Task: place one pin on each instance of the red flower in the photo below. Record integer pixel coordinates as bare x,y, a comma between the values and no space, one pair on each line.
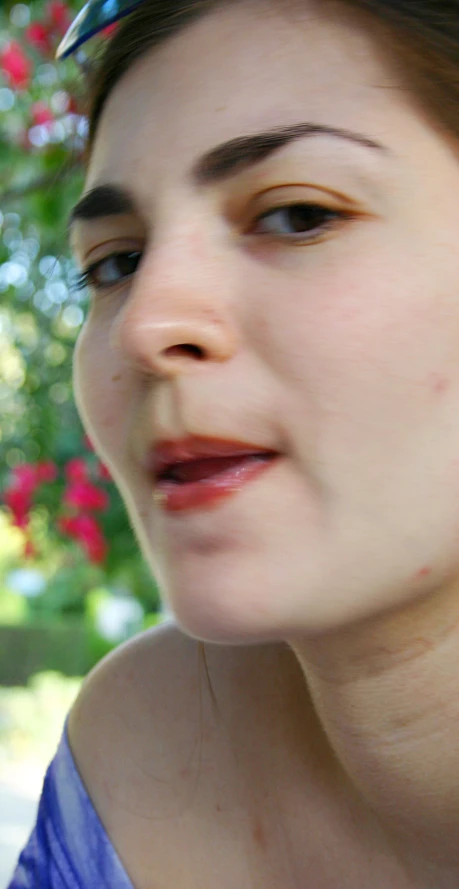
21,521
74,108
24,482
77,470
19,502
58,14
41,114
104,473
16,65
37,34
65,525
29,550
96,550
110,30
85,495
86,530
81,527
46,471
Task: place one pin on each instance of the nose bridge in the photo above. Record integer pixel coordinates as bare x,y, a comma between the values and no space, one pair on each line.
177,311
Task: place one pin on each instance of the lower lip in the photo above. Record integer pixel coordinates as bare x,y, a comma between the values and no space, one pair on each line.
208,492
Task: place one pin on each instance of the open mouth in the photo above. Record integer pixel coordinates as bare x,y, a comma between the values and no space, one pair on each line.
208,467
203,481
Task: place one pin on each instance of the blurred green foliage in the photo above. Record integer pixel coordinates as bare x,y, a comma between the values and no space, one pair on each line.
41,312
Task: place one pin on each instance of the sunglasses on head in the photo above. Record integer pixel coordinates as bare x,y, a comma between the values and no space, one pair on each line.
93,18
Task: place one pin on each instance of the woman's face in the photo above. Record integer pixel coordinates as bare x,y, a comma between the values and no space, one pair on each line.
302,298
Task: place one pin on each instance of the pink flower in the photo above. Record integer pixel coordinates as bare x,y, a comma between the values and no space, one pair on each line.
38,36
41,114
77,470
25,478
16,65
85,495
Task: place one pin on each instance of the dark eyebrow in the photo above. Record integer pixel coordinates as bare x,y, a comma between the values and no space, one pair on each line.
102,201
217,165
246,151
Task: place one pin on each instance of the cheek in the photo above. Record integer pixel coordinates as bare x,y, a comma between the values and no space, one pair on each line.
387,325
101,391
366,355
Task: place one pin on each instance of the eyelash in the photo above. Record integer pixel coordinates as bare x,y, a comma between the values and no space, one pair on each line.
331,218
88,277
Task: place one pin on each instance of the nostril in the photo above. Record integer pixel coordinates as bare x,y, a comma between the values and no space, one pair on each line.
185,350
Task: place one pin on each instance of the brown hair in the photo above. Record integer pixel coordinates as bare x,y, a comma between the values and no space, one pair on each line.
421,38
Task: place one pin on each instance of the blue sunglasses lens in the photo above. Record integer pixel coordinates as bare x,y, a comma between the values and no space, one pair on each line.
93,18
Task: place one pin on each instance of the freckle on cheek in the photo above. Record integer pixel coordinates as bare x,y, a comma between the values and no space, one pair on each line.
116,378
423,572
440,383
259,834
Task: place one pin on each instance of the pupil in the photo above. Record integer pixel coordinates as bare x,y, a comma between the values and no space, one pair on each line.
126,263
118,266
303,218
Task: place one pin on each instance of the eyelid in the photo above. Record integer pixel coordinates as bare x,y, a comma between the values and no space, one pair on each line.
287,195
112,245
304,192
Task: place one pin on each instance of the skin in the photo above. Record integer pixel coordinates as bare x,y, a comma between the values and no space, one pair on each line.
340,351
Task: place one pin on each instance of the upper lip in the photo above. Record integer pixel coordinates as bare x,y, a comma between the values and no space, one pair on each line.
166,454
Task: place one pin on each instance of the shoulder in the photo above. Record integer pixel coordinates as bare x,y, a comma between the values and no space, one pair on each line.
123,712
133,677
166,733
145,708
133,733
142,711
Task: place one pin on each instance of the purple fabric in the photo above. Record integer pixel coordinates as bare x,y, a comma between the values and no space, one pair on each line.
68,847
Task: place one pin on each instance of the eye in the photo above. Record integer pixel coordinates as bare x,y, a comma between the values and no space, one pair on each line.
110,270
298,222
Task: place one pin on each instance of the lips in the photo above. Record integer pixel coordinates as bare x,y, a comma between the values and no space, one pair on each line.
199,472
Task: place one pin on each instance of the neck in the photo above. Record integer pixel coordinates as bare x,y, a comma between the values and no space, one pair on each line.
387,694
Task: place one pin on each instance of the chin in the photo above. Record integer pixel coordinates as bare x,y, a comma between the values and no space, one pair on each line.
221,626
254,604
238,604
222,606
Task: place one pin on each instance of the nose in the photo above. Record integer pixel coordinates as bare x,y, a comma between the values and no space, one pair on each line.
177,312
